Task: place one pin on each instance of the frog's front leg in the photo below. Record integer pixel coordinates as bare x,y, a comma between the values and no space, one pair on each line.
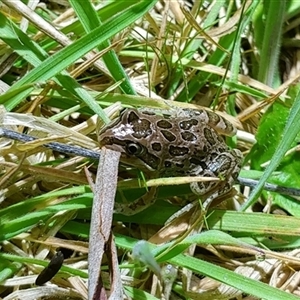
226,166
137,205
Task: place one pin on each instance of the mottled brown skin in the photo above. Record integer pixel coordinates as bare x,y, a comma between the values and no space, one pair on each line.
185,144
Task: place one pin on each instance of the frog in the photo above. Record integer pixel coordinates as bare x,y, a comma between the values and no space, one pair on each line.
184,142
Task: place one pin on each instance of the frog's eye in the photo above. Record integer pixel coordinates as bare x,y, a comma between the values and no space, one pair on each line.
134,149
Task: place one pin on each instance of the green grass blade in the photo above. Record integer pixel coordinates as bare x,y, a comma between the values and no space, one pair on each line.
289,134
240,282
268,70
247,285
62,59
36,56
90,20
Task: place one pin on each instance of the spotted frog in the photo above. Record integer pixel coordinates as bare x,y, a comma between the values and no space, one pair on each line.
184,143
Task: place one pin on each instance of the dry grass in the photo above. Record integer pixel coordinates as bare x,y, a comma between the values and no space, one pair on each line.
219,55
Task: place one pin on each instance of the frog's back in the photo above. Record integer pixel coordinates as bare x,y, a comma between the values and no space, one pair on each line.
169,145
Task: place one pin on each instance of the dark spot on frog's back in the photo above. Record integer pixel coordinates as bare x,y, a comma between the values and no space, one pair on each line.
209,136
169,136
132,117
198,162
141,128
213,117
188,136
156,146
178,151
164,124
186,125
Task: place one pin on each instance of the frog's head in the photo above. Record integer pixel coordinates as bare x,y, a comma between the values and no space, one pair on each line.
131,135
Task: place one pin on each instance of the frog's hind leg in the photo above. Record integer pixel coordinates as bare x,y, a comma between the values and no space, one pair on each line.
226,167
